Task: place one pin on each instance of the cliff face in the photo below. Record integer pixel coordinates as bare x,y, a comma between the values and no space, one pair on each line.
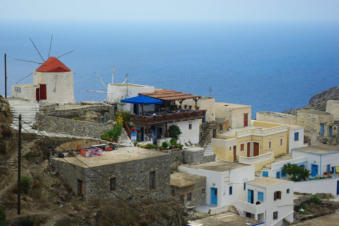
5,121
319,100
5,113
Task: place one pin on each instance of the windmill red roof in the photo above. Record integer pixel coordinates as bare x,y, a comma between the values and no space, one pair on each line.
52,64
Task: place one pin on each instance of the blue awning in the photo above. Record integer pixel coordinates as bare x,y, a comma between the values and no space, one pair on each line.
141,99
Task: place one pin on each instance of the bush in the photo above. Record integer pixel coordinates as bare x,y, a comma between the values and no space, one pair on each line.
296,172
164,145
315,199
173,142
113,134
25,184
174,131
2,217
151,146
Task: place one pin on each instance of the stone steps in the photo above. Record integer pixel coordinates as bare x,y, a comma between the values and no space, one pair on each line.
27,109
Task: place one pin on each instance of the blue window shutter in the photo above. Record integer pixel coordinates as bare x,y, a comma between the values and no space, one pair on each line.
230,190
278,174
322,129
264,173
296,136
260,196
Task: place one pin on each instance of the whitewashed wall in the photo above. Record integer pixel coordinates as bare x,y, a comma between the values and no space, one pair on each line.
188,135
27,92
296,144
118,92
60,86
317,186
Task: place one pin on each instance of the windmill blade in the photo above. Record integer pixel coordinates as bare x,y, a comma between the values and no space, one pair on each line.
101,80
28,61
23,78
126,79
50,46
97,91
65,53
36,48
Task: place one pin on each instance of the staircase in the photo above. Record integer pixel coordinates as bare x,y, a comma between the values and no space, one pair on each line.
208,150
27,109
206,133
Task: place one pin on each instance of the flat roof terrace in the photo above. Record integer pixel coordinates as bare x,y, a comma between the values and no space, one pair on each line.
125,154
219,166
319,149
267,182
181,180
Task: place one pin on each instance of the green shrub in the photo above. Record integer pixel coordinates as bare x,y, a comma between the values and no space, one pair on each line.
180,146
76,118
25,184
151,146
174,131
173,141
315,199
2,217
164,145
296,172
113,134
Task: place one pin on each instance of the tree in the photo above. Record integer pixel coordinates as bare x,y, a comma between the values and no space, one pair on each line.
297,173
174,131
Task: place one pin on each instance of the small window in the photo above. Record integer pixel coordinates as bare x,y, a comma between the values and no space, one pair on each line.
281,142
270,144
182,198
260,196
189,196
288,191
185,106
242,147
230,148
230,190
264,173
190,126
203,191
296,136
275,215
173,191
190,107
112,184
221,127
152,180
277,195
244,186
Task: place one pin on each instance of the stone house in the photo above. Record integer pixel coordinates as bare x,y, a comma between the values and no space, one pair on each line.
126,173
188,188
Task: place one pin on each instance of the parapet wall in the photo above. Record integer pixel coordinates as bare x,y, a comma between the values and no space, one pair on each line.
70,126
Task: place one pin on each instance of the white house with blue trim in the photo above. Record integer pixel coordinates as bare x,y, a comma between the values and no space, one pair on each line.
225,182
268,200
320,160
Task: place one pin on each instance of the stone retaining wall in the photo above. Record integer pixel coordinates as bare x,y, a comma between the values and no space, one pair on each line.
70,126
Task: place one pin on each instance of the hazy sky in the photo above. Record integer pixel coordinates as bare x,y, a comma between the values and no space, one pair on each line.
170,10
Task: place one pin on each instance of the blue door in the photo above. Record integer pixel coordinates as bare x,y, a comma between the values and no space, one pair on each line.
330,131
214,196
250,196
278,174
322,129
337,187
328,168
314,170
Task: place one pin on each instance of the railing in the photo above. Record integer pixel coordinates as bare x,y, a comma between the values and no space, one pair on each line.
261,131
167,117
250,207
256,159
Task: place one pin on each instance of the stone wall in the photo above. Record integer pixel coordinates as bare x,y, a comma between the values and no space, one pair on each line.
70,126
276,117
132,179
198,193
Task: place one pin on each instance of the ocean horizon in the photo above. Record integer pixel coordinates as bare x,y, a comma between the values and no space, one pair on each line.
271,66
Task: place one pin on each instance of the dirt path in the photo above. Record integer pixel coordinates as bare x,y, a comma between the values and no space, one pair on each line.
328,220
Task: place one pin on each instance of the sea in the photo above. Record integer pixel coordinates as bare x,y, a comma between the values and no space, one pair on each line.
273,66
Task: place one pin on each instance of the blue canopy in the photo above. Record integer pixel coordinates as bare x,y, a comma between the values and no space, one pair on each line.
141,99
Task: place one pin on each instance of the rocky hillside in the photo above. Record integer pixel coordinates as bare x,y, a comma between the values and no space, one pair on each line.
319,100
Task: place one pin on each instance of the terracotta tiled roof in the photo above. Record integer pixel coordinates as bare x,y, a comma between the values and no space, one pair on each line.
169,95
52,64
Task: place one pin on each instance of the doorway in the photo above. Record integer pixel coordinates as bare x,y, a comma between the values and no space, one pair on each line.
234,153
79,182
245,119
214,196
256,149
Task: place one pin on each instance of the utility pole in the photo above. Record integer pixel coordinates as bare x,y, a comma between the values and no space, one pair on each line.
5,59
19,164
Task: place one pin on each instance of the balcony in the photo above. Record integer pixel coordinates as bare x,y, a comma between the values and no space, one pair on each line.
250,207
256,159
166,117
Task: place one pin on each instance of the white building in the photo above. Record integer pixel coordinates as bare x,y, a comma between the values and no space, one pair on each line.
225,181
52,83
119,91
153,114
320,160
296,137
268,200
